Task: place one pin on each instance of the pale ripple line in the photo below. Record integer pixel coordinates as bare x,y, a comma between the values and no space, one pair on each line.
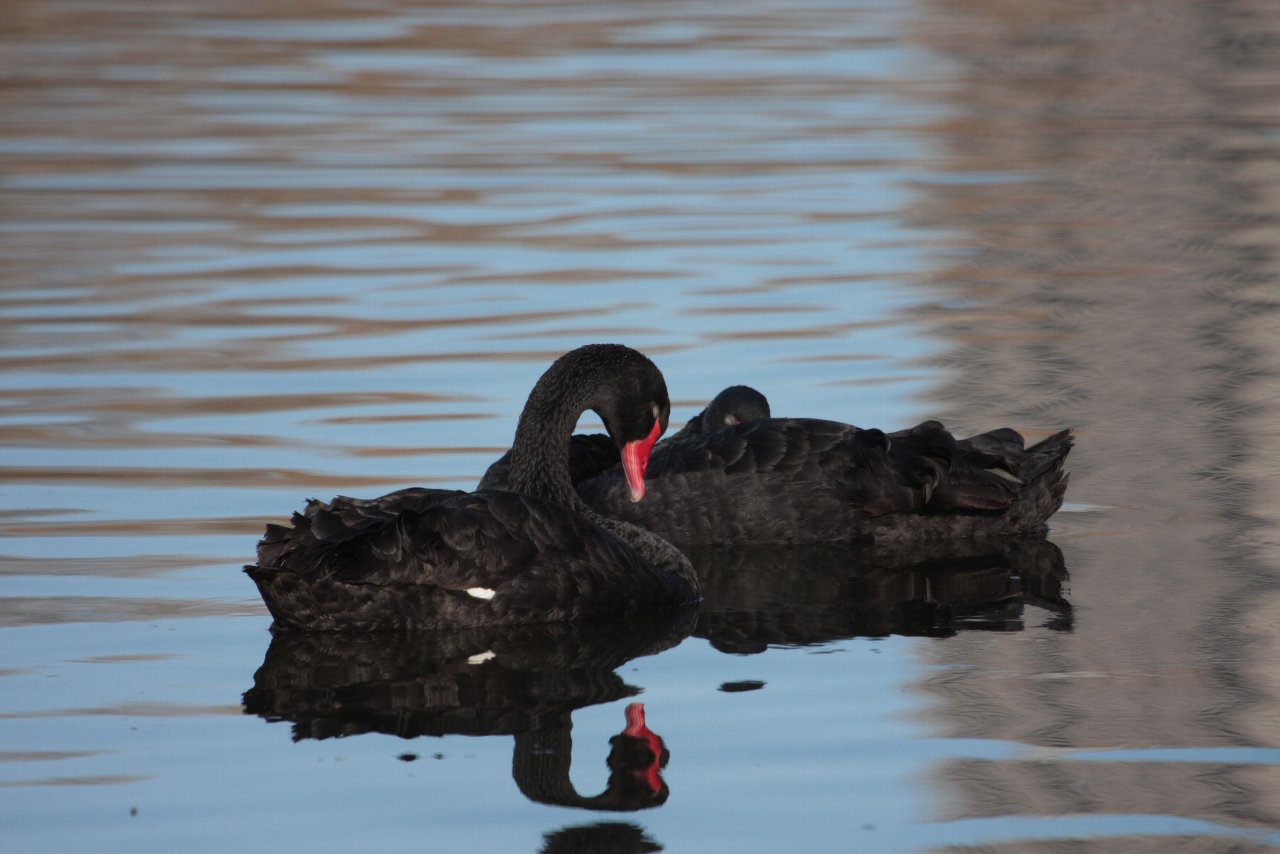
134,401
130,566
21,611
995,750
217,526
98,780
46,755
1180,755
127,658
203,477
130,710
1008,829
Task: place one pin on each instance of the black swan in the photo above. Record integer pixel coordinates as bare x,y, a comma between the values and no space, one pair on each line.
429,558
591,454
802,480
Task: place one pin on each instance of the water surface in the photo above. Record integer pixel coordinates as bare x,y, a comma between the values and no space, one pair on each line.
257,254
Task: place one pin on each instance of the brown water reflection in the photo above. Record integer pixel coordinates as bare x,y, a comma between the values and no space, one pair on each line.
1118,274
128,567
246,526
41,611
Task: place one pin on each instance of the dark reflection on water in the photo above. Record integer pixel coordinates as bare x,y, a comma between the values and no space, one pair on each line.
473,681
611,837
526,681
798,595
523,681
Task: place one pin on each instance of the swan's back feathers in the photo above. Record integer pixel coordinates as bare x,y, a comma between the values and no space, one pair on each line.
436,557
794,480
789,446
858,466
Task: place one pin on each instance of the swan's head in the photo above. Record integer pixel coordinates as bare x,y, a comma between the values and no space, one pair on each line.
635,409
734,405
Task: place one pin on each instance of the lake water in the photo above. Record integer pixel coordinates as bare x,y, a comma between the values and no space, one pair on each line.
254,253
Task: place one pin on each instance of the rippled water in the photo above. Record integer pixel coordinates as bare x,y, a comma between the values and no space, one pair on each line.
253,254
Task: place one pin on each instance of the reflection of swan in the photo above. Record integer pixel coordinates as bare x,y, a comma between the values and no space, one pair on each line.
758,596
606,837
428,558
524,681
637,755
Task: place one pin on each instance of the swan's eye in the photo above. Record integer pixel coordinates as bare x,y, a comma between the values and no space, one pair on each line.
656,410
730,420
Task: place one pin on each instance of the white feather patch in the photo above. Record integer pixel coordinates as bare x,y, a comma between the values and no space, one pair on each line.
482,657
481,592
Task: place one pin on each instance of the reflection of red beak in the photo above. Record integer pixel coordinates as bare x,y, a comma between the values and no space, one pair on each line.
635,460
635,721
636,729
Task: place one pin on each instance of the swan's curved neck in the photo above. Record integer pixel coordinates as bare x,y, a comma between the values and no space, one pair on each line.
540,449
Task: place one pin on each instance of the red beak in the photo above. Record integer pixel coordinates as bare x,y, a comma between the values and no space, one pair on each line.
635,460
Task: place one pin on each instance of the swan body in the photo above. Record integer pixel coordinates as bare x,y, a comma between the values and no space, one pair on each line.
429,558
799,480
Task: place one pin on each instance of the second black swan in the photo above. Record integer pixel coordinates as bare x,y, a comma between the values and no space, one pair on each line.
805,480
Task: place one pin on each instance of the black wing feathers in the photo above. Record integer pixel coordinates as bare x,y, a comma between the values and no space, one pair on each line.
538,557
811,480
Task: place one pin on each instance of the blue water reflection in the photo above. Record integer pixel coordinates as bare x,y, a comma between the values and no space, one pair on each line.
254,255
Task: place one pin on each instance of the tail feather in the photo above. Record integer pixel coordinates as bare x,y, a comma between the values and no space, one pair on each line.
995,472
1047,455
